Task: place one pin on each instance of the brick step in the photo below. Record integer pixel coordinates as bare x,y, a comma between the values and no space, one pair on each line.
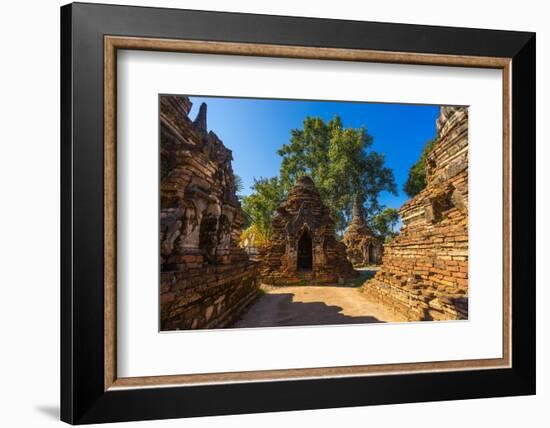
305,275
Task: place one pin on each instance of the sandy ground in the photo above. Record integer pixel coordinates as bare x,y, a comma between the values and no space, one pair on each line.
313,305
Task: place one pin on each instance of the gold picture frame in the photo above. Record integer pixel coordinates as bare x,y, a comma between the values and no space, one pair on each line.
114,43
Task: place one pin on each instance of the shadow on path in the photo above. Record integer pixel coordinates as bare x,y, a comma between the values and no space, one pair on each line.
276,310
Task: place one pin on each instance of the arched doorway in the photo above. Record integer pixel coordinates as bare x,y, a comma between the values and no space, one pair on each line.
371,260
305,251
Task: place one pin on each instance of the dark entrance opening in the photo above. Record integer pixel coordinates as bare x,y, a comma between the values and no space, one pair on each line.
371,255
305,251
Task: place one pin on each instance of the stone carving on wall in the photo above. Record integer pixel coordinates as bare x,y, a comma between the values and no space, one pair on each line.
424,274
303,246
206,279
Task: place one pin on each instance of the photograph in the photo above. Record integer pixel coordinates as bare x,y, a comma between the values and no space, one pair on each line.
294,212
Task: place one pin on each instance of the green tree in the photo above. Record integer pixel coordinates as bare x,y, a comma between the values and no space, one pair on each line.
239,185
341,163
383,223
261,204
416,181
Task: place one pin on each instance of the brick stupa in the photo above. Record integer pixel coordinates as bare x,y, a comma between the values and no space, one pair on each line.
362,247
303,246
424,274
206,279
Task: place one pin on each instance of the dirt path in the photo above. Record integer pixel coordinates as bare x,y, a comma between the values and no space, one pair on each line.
313,305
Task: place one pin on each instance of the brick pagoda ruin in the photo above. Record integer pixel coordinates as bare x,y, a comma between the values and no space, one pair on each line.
206,279
303,247
424,275
362,247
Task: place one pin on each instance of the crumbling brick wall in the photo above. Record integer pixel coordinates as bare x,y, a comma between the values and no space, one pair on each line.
424,275
206,279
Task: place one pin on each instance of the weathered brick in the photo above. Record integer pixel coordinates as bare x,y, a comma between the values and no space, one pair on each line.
206,279
314,254
436,229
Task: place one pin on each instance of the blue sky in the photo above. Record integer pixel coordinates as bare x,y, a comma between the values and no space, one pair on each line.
254,129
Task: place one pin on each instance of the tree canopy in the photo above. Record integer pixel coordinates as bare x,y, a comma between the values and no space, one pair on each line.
339,160
261,204
416,181
254,237
341,163
383,223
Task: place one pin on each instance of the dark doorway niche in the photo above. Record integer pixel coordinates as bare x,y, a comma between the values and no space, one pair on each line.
305,251
371,254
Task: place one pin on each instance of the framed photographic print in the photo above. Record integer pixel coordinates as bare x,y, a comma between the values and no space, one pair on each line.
266,213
